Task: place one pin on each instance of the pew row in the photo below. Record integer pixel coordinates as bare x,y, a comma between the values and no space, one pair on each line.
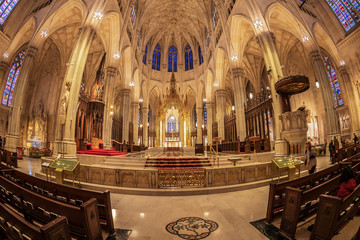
346,153
83,220
277,191
66,194
300,204
16,227
333,213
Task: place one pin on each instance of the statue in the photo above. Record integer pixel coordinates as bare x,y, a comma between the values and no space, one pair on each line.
64,103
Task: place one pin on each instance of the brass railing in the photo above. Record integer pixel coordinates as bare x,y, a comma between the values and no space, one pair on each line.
181,178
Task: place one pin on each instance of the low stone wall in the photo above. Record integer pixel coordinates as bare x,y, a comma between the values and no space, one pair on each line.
149,178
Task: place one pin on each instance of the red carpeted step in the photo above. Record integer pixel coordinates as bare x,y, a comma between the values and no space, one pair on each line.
101,152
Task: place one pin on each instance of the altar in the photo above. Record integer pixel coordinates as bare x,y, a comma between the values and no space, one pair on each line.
172,144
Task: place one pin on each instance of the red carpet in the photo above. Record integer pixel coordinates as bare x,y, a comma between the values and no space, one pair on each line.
101,152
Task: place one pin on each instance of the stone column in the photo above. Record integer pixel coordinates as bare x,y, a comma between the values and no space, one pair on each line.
327,94
199,113
181,131
239,97
125,113
12,137
3,69
109,106
163,132
145,112
220,110
135,115
349,98
210,113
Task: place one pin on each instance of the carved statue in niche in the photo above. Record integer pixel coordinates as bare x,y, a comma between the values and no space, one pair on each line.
97,89
40,126
64,103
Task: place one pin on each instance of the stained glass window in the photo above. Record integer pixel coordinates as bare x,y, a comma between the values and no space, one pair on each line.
145,55
195,116
133,16
156,58
139,114
172,59
334,81
188,58
205,114
215,14
6,6
347,11
201,57
11,80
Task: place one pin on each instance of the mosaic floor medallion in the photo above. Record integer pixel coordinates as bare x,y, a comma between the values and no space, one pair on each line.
192,227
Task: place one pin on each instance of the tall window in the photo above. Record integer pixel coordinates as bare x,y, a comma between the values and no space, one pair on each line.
6,6
188,58
201,57
347,11
139,114
11,80
215,14
171,124
195,116
334,81
156,58
133,16
172,59
145,55
205,114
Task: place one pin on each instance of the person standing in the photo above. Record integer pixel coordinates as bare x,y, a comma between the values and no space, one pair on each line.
0,142
356,139
310,158
336,143
331,149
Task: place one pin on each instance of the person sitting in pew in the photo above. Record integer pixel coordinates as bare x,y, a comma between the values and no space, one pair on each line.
347,183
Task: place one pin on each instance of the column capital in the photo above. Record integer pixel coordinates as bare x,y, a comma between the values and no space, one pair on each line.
31,52
210,105
145,110
135,104
3,66
238,72
111,71
342,70
125,92
315,56
220,93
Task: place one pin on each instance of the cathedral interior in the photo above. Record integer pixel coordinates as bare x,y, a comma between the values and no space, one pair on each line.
201,116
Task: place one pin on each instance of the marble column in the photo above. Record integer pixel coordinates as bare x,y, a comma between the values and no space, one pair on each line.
239,97
135,121
125,112
12,137
109,106
210,113
181,131
327,94
349,98
199,136
145,112
220,110
70,96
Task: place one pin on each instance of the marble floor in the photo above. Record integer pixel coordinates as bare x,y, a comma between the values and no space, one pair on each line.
148,216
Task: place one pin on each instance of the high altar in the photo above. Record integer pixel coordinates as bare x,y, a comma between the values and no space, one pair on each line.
173,120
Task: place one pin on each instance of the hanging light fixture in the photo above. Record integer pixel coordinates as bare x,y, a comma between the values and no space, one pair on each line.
305,38
116,55
234,57
317,83
98,15
6,54
44,33
216,84
257,23
141,100
132,84
342,63
204,99
233,107
251,95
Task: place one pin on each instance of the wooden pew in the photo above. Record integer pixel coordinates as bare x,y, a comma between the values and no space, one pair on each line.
300,204
66,194
333,213
18,228
345,153
83,220
9,158
277,191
